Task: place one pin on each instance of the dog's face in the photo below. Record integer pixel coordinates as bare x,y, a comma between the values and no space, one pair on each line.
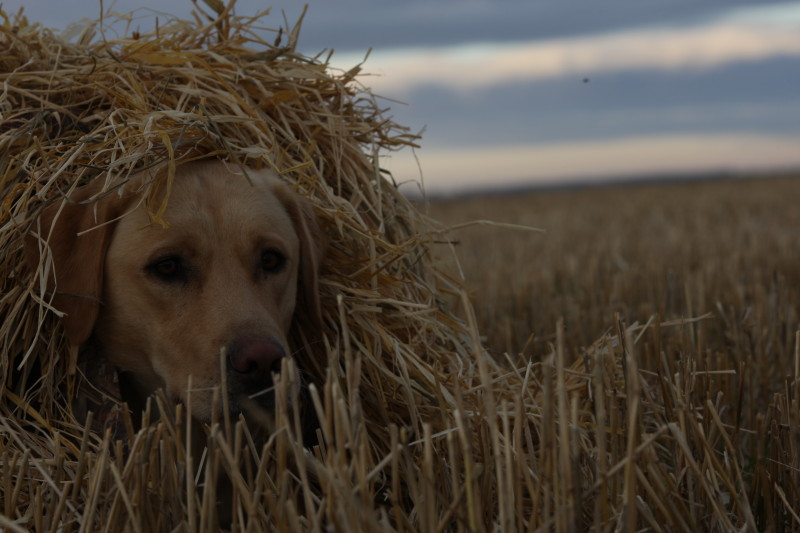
210,296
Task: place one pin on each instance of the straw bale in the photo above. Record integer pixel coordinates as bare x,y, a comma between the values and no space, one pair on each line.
97,109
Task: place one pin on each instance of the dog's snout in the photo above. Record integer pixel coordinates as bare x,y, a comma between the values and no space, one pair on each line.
254,359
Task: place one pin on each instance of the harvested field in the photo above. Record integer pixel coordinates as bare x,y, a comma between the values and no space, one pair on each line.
717,397
678,413
674,250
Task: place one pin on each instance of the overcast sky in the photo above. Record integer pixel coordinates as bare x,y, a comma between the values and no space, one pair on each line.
528,91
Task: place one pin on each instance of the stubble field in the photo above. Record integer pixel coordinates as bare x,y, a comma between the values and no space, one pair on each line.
711,269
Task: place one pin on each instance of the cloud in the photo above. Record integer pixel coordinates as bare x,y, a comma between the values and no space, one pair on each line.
746,96
463,169
471,67
355,25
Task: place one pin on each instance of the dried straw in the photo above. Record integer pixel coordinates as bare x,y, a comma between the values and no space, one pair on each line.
420,428
97,109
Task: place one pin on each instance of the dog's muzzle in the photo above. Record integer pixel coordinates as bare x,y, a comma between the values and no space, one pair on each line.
251,364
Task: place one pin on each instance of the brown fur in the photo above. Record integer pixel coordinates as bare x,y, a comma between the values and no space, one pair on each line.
113,281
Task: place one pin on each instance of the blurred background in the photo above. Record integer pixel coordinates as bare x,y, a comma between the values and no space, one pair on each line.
517,93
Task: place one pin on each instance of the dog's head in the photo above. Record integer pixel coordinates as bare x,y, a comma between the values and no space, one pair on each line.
211,295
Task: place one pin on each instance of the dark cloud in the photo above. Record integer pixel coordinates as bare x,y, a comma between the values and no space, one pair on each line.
745,97
355,25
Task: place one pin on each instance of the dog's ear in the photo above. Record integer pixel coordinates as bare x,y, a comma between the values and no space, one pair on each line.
312,248
68,247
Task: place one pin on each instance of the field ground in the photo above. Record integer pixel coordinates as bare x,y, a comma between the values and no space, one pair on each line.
676,250
725,250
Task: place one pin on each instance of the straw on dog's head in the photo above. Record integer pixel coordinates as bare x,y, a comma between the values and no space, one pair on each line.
213,292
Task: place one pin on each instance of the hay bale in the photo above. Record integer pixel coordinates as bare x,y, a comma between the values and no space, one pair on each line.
95,109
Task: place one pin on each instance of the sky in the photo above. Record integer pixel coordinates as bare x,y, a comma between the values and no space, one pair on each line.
509,93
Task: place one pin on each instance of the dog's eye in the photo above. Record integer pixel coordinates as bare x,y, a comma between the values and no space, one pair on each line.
272,261
169,269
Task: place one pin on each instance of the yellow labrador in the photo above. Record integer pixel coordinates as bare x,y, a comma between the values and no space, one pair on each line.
215,289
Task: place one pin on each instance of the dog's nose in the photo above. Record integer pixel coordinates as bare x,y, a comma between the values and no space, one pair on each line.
254,359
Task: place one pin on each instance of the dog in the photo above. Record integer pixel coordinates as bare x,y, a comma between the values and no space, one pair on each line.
208,296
